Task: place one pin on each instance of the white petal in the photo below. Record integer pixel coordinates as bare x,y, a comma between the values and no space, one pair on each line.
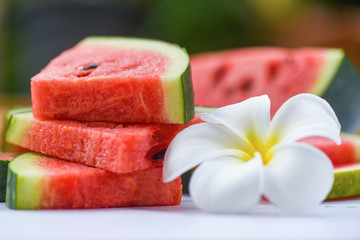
302,116
298,177
227,185
199,143
249,119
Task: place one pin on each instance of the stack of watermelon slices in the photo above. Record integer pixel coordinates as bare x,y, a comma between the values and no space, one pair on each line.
104,113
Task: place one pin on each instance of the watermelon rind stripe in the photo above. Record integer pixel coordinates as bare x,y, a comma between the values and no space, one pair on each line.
3,173
17,126
10,199
24,182
179,104
6,147
346,183
188,95
343,95
204,109
14,110
333,60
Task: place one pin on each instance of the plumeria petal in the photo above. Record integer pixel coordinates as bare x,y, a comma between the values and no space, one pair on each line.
302,116
249,119
227,185
199,143
298,177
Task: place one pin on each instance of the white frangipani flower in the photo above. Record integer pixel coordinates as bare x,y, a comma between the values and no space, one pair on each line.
242,155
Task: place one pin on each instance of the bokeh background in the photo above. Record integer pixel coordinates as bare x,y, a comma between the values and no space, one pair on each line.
32,32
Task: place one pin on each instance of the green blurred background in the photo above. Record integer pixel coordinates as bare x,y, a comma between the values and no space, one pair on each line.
32,32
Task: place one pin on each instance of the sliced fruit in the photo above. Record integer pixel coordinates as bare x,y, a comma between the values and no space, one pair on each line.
227,77
119,148
347,181
116,79
4,162
36,181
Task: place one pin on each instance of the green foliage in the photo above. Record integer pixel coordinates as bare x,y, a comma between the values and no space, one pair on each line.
205,25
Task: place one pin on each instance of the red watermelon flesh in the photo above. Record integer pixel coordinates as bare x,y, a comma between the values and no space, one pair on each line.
228,77
98,80
60,184
343,154
52,93
119,148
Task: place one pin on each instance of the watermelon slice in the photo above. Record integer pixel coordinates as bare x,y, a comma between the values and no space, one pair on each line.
347,181
116,79
228,77
36,181
119,148
4,162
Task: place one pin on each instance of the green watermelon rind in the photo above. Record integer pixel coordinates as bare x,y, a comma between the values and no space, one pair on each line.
339,77
188,95
24,187
346,182
204,109
17,126
14,110
175,101
333,60
3,173
342,90
7,147
177,84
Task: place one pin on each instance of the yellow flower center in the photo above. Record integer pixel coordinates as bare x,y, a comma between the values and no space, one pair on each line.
258,146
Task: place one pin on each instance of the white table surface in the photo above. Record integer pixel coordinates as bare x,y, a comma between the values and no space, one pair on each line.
331,220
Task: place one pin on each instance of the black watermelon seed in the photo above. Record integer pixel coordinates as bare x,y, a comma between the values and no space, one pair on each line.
91,66
159,155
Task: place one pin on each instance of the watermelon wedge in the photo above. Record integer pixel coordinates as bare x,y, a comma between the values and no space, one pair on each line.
36,181
347,181
4,162
119,148
116,79
228,77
